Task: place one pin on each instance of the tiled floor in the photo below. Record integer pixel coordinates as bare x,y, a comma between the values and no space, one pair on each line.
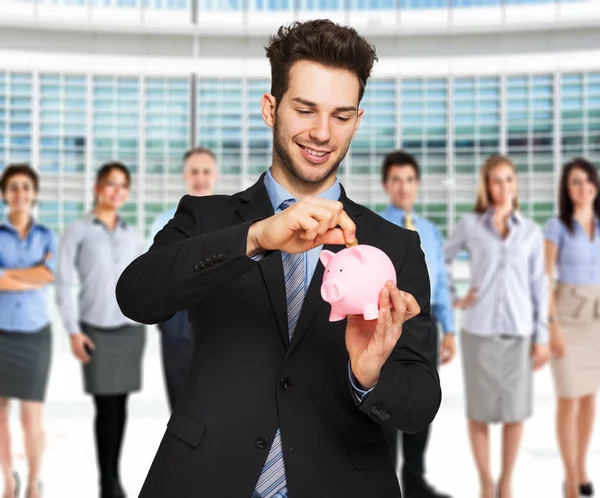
69,470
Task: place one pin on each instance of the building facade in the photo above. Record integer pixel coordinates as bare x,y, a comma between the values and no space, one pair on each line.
86,81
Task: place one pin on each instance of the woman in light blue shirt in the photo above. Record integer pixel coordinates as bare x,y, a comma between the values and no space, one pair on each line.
573,247
27,263
503,324
94,251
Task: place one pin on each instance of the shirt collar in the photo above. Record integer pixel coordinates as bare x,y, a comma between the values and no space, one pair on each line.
278,194
5,223
515,218
399,214
92,218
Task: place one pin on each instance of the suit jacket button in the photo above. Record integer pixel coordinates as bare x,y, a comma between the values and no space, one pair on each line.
286,384
261,443
222,257
198,266
379,412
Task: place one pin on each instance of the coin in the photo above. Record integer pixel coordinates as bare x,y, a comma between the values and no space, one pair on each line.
355,243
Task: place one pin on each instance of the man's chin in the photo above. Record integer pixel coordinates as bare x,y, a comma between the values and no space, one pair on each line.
315,173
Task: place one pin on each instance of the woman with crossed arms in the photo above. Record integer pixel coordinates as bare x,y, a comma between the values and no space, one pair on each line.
27,264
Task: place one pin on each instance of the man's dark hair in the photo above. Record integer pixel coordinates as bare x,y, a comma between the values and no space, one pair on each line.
565,203
108,167
19,169
323,42
199,150
399,158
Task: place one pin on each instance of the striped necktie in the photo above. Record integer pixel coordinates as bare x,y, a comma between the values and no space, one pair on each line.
272,482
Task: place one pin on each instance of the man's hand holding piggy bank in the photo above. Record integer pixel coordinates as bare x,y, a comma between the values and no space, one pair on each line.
374,325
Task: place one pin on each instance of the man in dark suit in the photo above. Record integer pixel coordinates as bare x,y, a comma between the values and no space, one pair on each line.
279,399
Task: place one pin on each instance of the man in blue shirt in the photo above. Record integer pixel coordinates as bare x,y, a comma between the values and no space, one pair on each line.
400,177
200,176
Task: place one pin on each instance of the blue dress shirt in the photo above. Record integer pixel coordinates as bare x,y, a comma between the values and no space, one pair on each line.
578,258
277,194
433,247
25,311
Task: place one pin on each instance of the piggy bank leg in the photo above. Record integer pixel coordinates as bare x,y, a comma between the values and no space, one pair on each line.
336,316
371,311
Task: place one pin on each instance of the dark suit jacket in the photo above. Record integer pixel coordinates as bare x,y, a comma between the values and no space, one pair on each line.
246,380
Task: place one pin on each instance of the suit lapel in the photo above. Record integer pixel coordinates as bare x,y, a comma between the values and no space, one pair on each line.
313,302
255,203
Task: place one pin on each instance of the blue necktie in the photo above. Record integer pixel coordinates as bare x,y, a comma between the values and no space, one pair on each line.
272,482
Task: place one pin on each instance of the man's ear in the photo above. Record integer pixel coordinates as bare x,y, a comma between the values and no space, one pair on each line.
268,105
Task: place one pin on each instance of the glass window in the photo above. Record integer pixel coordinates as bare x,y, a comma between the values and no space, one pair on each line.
476,122
116,120
221,120
376,135
423,122
260,136
16,118
63,123
530,124
167,126
580,116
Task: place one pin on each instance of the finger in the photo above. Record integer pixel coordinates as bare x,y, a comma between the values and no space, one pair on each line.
90,343
83,356
398,304
347,226
384,314
334,236
443,356
309,226
471,299
411,304
325,215
540,361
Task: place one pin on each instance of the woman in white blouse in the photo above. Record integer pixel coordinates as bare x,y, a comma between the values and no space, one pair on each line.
504,319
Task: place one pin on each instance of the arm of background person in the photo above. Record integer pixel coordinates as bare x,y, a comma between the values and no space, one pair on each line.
539,291
453,245
66,277
9,284
441,294
43,272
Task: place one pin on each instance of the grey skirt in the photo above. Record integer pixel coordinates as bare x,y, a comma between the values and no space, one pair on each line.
25,364
116,364
498,375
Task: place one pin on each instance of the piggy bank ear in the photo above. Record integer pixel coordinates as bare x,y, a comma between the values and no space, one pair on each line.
326,256
356,252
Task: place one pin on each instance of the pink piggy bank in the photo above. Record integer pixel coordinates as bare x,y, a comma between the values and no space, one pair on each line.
353,279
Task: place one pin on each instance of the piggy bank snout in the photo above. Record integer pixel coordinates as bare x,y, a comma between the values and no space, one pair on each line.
331,292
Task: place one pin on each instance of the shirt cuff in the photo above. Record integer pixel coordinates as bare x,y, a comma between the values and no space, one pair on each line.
72,328
258,257
360,394
540,337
